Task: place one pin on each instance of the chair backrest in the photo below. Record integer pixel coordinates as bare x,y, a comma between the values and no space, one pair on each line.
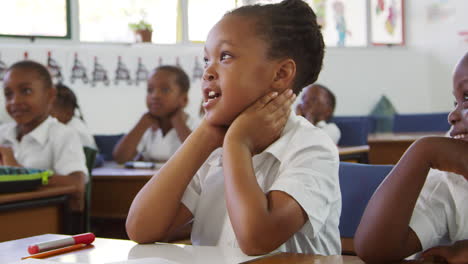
90,155
358,183
354,130
106,143
436,122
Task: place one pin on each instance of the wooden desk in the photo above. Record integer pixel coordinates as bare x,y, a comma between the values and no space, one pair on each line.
111,250
113,190
387,148
44,210
354,154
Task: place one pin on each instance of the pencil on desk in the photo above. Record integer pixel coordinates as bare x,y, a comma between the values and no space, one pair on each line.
58,251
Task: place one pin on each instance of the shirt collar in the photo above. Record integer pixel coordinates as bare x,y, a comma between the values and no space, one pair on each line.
276,148
41,132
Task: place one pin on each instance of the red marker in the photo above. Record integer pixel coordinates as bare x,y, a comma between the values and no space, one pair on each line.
86,238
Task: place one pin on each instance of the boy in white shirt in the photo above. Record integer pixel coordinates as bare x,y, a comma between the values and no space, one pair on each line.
317,105
250,175
35,139
160,132
422,204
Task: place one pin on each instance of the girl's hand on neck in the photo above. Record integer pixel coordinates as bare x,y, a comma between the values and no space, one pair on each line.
147,121
262,123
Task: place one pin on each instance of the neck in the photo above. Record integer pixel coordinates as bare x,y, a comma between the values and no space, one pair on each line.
165,124
24,129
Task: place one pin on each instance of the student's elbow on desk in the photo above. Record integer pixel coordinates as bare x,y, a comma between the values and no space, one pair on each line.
141,233
374,252
253,242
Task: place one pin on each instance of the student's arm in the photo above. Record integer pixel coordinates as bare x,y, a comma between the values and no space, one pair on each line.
76,179
7,157
126,148
179,122
456,253
261,222
157,210
384,234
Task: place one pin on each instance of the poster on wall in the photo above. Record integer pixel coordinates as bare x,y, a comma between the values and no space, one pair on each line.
343,23
387,22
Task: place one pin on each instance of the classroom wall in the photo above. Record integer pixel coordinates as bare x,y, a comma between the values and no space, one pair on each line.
416,78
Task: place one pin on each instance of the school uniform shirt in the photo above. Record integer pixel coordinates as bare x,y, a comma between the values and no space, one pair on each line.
50,146
441,213
331,130
303,163
154,146
87,140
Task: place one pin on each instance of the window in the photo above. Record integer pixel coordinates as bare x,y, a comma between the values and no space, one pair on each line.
203,15
32,18
108,20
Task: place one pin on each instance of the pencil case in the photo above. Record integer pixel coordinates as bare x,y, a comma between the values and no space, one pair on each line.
15,179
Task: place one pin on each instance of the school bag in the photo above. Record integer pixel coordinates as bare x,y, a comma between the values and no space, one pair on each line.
15,179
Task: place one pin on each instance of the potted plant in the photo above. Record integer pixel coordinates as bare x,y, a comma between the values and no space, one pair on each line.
143,30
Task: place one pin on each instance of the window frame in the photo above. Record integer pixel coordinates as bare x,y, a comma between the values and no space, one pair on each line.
68,35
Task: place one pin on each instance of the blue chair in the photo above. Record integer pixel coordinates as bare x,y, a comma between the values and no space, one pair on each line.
354,130
357,182
105,144
436,122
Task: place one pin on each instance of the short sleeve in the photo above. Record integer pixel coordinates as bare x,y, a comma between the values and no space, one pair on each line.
144,141
68,153
429,218
192,194
311,177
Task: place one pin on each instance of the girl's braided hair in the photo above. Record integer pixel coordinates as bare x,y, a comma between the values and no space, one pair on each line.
290,29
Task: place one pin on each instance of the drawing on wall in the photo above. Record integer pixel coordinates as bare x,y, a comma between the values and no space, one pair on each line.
380,7
320,11
3,68
197,73
122,73
99,74
54,69
387,22
340,20
160,61
78,71
439,11
25,55
344,23
141,73
464,35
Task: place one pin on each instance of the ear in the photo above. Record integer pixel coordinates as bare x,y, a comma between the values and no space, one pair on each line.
284,75
52,93
183,101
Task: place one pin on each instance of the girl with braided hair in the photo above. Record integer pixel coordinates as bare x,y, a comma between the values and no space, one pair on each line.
64,109
252,175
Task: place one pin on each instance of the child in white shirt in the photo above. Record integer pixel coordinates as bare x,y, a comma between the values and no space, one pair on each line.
64,109
317,105
35,139
250,175
422,204
159,132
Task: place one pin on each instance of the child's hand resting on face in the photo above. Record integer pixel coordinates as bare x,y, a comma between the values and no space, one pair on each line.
262,123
